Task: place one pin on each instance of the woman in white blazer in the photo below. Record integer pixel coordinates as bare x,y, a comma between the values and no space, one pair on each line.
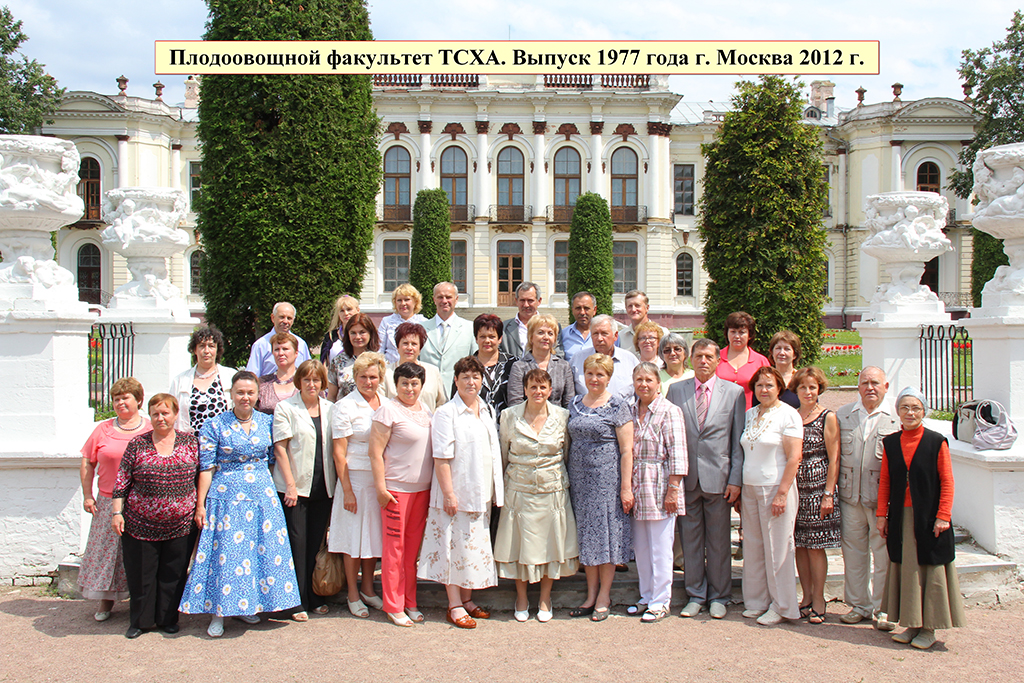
204,390
304,475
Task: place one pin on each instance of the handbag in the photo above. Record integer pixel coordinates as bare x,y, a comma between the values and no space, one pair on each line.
329,572
964,422
994,428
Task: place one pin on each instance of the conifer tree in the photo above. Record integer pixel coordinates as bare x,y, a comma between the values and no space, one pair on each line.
590,251
430,255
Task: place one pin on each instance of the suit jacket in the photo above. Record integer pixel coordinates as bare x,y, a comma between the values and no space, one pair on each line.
715,454
860,450
459,343
510,340
293,423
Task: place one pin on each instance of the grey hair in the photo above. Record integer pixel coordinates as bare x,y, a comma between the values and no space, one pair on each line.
647,368
446,283
602,320
523,286
673,339
279,304
911,392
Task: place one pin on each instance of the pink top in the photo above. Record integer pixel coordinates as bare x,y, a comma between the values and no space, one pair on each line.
743,375
104,449
408,457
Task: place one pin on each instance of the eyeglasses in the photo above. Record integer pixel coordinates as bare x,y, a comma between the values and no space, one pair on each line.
910,409
673,349
647,340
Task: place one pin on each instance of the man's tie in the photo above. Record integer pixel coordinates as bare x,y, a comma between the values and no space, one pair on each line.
702,406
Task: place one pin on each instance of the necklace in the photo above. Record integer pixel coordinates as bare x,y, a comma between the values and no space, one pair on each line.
760,423
208,375
283,381
243,421
120,426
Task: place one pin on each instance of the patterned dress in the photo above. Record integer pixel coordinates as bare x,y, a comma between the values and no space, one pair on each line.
812,531
604,531
205,404
243,563
339,373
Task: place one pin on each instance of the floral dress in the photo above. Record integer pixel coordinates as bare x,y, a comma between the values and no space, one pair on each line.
243,563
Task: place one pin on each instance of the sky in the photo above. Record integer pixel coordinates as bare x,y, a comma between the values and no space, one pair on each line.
87,44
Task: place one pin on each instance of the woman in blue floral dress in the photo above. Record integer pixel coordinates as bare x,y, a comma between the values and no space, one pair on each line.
243,564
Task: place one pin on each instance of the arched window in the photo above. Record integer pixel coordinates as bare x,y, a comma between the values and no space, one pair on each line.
624,186
510,185
567,182
397,184
90,274
195,283
454,180
89,187
928,179
684,274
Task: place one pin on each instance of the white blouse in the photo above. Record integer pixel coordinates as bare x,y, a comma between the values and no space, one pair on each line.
764,459
352,420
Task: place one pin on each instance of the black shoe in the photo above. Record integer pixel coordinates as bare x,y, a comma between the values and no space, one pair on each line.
170,629
581,612
132,633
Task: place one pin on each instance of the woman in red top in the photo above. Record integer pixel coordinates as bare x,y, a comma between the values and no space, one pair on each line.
739,361
921,591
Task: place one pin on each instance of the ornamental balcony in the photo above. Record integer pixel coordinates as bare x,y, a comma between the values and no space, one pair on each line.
629,214
515,213
462,213
559,214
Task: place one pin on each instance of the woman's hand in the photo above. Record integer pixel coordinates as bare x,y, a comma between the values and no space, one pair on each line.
940,526
778,504
117,523
827,505
350,502
291,495
627,500
384,498
883,526
451,504
90,505
200,517
672,500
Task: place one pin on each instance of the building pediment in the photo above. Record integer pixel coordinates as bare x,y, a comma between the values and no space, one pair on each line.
80,100
934,108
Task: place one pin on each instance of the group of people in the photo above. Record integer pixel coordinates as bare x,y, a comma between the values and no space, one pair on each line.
460,452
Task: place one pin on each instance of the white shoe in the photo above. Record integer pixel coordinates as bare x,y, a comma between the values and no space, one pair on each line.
770,618
752,613
216,628
883,624
718,610
692,609
250,619
399,619
544,616
415,615
373,601
521,615
101,616
358,609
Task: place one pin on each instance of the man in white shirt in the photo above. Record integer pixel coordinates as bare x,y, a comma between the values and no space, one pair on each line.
449,337
576,336
261,359
604,332
861,427
637,307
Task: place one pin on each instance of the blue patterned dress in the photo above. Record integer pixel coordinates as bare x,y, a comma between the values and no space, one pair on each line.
244,562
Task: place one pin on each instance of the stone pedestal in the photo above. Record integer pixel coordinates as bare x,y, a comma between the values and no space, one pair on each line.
894,347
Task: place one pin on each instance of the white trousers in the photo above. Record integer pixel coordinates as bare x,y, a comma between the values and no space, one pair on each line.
769,552
652,546
861,542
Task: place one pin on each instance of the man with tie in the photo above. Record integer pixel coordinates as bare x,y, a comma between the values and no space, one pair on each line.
449,337
713,410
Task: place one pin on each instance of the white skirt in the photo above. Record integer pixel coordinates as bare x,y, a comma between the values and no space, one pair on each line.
357,534
456,550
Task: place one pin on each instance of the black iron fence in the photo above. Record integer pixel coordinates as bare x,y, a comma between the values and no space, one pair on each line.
947,366
111,357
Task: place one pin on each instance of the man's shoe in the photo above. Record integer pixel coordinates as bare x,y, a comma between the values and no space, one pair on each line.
692,609
132,633
852,617
770,618
717,610
883,624
924,640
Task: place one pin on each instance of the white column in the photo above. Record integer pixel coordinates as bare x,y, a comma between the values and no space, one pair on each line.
540,176
176,166
122,161
596,149
841,217
426,175
482,176
897,165
651,179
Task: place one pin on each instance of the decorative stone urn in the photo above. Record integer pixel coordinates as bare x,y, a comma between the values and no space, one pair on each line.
999,187
143,227
38,178
906,232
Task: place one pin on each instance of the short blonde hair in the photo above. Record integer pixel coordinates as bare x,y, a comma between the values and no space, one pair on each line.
646,326
410,291
601,362
540,321
367,360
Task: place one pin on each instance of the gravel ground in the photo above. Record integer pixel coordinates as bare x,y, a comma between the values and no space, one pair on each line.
44,638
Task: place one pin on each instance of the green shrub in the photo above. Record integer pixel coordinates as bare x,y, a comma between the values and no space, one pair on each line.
430,254
590,251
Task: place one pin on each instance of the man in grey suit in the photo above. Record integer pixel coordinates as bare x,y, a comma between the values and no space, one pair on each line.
713,410
513,334
449,337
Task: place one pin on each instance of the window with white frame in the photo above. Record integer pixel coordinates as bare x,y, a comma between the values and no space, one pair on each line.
195,283
684,274
195,182
460,265
683,189
561,266
396,263
625,265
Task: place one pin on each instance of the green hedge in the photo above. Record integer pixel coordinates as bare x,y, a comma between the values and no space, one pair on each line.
430,255
590,251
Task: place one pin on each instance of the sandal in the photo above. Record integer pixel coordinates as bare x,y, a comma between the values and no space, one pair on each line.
322,609
637,609
581,611
653,615
300,616
815,617
399,619
600,614
465,621
805,610
414,614
476,611
358,609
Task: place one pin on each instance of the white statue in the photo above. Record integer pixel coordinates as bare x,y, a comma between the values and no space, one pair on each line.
999,188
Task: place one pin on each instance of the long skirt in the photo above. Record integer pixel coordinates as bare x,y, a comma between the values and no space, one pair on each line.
921,596
101,575
536,537
456,550
357,534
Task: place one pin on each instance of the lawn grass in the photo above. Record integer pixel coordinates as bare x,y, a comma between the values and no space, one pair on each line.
841,370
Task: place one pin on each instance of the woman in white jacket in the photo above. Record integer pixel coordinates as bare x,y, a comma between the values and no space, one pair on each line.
204,390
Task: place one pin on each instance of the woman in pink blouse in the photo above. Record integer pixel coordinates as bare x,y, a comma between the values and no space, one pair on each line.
402,464
154,504
101,576
739,361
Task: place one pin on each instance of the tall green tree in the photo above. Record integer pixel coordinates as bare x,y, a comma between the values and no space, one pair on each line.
590,251
760,216
290,174
430,255
28,95
996,76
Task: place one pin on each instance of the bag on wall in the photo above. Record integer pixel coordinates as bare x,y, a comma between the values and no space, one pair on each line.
964,422
994,428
